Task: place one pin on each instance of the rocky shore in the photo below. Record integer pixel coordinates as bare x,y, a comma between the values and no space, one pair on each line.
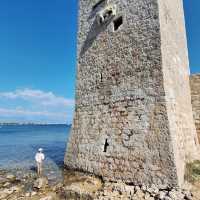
77,185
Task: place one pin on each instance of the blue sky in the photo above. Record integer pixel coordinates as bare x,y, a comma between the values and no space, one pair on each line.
38,57
192,18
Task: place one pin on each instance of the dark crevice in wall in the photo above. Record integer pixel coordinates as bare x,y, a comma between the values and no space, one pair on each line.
117,23
101,77
106,145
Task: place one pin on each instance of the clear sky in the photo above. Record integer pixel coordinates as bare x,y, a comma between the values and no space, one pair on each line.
38,57
192,17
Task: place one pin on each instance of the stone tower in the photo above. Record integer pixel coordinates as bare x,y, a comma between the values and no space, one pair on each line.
133,117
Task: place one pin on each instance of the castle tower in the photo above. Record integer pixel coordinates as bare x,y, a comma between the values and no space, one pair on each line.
133,117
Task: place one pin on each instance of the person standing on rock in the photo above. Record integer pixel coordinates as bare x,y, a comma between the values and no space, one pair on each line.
39,158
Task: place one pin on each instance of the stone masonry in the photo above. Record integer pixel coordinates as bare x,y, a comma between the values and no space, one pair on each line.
195,90
132,121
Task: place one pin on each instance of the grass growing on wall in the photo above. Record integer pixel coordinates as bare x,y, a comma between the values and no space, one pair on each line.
192,173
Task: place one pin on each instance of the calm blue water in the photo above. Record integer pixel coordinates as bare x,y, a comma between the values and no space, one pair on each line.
18,144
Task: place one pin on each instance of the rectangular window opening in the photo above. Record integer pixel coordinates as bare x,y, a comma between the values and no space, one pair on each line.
117,23
101,76
106,145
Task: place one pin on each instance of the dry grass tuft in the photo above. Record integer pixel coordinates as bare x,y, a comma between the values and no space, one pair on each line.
192,173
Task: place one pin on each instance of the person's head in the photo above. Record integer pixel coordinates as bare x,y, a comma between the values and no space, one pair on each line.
40,150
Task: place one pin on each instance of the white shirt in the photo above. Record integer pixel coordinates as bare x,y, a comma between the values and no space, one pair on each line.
39,157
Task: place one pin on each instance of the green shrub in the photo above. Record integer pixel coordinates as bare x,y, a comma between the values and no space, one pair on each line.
192,172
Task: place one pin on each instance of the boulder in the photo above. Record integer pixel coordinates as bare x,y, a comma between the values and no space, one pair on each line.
11,177
41,183
7,184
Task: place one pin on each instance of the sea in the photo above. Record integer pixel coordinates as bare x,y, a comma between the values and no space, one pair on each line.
19,143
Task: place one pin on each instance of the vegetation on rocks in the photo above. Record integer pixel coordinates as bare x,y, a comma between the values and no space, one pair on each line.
193,172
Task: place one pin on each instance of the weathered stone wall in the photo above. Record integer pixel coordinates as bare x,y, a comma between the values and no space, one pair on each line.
176,81
195,91
123,126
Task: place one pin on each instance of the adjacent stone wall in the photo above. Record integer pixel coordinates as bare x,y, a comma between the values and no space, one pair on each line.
125,112
195,91
176,82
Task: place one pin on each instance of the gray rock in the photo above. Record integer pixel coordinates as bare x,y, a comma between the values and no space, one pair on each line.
140,194
162,195
147,196
144,188
40,183
11,177
188,195
137,188
6,184
153,190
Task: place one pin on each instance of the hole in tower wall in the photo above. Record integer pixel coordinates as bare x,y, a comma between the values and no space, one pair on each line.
117,23
107,15
106,144
110,12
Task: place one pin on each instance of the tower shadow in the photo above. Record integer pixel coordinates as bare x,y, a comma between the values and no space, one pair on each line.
93,33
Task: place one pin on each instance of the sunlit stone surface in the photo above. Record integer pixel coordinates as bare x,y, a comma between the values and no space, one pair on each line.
133,118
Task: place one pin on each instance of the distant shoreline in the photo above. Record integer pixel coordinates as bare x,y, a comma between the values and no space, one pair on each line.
35,124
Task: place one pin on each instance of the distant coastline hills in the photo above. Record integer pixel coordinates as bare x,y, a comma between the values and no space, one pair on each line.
32,123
